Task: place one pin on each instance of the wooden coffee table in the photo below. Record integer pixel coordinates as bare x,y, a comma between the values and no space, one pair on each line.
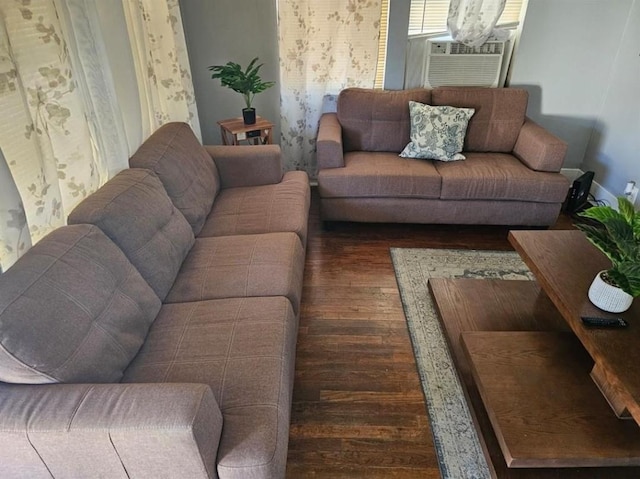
526,364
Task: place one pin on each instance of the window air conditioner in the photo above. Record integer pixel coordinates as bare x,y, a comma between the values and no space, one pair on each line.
434,62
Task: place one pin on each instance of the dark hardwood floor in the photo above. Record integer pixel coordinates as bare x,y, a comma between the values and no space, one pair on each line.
358,407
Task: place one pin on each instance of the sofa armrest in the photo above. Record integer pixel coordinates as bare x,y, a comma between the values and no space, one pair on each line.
108,430
247,165
329,153
539,149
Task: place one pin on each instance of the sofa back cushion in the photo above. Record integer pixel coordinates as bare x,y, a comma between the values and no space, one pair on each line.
72,309
185,169
498,118
133,209
377,120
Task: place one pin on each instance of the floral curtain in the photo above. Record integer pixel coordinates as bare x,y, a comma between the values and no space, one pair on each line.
324,47
92,71
45,137
14,233
472,22
162,64
61,131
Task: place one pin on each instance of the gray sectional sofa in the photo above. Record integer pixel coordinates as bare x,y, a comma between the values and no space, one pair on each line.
155,335
511,175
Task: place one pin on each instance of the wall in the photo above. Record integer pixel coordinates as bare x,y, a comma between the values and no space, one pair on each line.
565,59
396,44
614,150
218,31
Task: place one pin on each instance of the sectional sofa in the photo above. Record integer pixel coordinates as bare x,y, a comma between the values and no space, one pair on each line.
511,175
155,335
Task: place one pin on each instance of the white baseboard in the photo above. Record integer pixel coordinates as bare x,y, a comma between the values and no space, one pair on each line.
598,191
572,173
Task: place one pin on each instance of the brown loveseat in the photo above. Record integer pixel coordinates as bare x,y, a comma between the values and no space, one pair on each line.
510,175
155,335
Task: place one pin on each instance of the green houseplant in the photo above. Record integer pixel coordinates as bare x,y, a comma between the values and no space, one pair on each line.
246,81
617,235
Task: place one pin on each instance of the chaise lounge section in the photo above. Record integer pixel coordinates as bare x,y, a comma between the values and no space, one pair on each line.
155,335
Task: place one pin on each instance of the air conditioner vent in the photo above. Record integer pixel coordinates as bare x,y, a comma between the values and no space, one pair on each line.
491,48
434,62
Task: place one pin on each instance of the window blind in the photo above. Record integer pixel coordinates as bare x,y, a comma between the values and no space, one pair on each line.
382,44
430,16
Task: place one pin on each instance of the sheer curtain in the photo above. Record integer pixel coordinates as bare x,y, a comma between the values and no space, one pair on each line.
472,22
324,47
44,133
161,63
14,233
62,130
93,74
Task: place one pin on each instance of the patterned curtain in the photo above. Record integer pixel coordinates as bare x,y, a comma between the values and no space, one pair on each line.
472,22
44,136
162,64
92,70
61,131
324,47
14,233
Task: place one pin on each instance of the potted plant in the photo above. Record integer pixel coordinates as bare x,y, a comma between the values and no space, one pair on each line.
247,82
617,235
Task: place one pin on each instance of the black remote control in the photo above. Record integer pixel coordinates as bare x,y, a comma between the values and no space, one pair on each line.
604,322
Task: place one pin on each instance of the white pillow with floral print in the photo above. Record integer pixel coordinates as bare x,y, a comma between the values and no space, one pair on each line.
437,132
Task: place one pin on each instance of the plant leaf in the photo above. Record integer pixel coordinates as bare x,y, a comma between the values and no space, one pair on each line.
626,209
630,271
621,234
600,213
599,237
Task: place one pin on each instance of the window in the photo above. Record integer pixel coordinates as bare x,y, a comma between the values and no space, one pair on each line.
382,44
430,16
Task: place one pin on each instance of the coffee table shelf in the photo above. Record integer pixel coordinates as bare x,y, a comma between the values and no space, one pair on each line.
498,312
565,263
545,409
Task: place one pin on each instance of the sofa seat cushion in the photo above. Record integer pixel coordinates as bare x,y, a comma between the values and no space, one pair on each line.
270,264
499,115
133,209
377,120
244,349
72,309
274,208
380,175
185,169
499,176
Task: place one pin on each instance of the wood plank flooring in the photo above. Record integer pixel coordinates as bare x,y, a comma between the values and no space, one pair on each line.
358,407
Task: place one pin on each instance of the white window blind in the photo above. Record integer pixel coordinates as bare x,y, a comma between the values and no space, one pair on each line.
382,44
430,16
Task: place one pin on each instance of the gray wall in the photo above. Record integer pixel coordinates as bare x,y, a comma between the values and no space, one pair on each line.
565,58
614,150
218,31
396,44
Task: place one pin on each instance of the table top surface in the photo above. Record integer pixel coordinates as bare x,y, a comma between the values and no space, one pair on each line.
237,125
565,263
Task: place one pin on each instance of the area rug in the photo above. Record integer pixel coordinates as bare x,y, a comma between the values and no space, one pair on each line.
457,445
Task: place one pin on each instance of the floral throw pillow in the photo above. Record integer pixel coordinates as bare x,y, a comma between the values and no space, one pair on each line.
437,132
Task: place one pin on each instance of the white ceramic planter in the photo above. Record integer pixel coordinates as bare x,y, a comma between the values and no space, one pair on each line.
608,298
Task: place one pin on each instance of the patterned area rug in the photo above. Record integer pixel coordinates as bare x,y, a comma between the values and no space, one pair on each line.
457,444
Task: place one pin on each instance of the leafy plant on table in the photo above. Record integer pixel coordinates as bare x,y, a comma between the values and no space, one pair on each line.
617,235
246,81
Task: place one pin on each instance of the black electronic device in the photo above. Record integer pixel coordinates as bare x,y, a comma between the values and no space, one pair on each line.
604,322
254,133
578,196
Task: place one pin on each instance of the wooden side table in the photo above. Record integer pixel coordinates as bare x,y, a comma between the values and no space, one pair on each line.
234,131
